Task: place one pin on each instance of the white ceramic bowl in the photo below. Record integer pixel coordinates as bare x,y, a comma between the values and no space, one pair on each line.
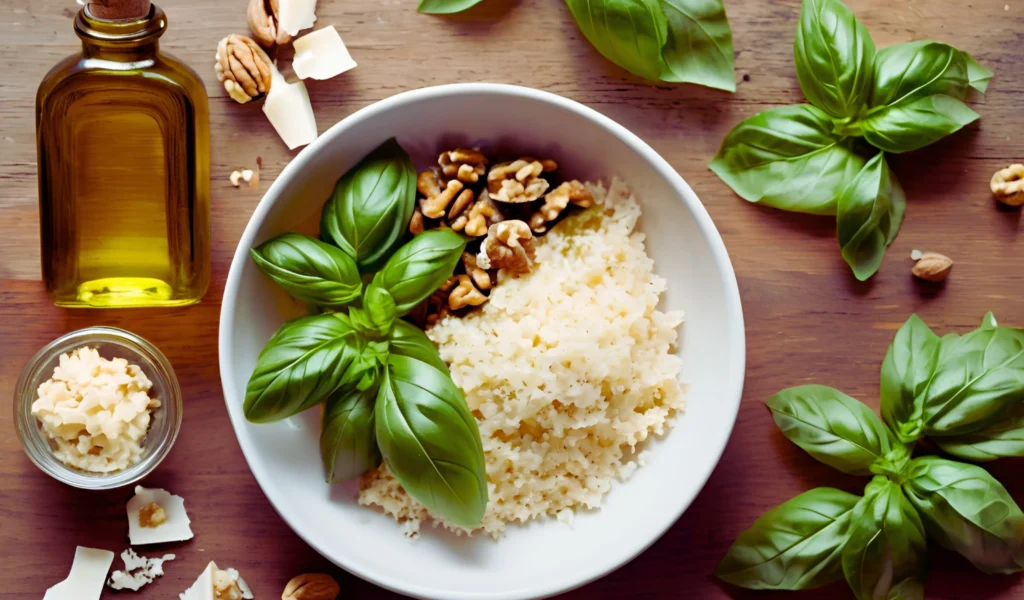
547,557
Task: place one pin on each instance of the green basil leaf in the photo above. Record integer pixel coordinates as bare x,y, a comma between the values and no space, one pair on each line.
377,314
430,441
989,321
368,214
630,33
966,510
978,75
977,378
1004,438
795,546
906,371
787,158
303,363
699,46
906,127
420,267
908,72
409,340
445,7
348,443
832,427
869,214
834,58
886,555
309,270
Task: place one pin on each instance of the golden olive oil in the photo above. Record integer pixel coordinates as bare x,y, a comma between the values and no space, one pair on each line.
123,138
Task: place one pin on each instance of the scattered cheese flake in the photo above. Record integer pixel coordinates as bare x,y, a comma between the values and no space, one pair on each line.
567,516
247,175
242,585
226,579
288,108
174,529
295,15
146,570
235,178
321,55
916,254
85,581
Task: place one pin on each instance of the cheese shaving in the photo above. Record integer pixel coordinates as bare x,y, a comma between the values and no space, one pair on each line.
145,571
290,112
85,581
205,587
295,15
174,529
321,55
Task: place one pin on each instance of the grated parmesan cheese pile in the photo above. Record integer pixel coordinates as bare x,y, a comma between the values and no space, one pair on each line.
566,369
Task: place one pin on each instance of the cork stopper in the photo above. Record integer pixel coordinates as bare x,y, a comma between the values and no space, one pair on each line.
116,10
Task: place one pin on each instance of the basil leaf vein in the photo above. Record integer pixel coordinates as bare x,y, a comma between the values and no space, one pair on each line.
833,54
309,270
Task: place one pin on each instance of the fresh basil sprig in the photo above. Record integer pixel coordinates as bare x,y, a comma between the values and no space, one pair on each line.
806,158
878,542
389,396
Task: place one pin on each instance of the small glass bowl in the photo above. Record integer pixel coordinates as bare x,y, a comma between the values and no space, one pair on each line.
111,343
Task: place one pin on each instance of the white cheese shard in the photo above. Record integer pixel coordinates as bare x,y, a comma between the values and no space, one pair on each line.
138,571
290,112
85,581
295,15
174,529
215,584
321,55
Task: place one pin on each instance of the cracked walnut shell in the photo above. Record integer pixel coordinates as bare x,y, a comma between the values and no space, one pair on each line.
1008,185
508,246
311,586
243,67
520,180
263,22
556,200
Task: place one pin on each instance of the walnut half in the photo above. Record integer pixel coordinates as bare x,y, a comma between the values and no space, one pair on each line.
556,201
243,67
481,214
436,199
465,164
508,246
1008,185
465,294
520,180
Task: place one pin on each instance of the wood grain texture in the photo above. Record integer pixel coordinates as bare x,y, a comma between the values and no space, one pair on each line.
807,319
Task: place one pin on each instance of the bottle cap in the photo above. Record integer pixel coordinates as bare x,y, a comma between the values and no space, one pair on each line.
115,10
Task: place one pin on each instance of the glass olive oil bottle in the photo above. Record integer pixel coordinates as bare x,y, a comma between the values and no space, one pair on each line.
124,186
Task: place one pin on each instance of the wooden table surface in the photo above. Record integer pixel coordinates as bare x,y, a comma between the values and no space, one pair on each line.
807,319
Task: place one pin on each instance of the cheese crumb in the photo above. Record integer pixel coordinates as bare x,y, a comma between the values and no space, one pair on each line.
145,571
217,584
95,411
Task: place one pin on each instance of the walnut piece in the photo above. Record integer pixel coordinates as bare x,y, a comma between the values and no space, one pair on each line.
481,215
243,67
466,164
416,222
508,246
263,19
436,199
480,277
1008,185
465,294
311,586
519,181
932,266
152,515
555,202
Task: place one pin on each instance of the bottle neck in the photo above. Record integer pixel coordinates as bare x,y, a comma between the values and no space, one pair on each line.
125,40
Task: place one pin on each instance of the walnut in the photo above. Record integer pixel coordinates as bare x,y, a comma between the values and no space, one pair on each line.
508,246
436,199
932,266
311,586
481,215
263,22
465,294
467,165
416,222
152,515
1008,185
519,181
436,306
556,201
243,67
479,276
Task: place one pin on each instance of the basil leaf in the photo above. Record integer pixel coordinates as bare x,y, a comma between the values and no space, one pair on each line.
966,510
977,378
832,427
309,270
348,444
699,46
368,214
1002,439
906,371
833,53
787,158
303,363
886,555
445,7
978,75
377,314
630,33
906,127
420,267
795,546
409,340
431,442
908,72
869,214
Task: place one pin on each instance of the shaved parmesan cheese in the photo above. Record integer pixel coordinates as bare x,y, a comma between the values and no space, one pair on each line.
288,108
214,584
145,571
174,529
85,581
321,55
295,15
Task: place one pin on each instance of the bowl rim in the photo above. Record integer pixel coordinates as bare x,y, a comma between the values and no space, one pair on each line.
735,333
